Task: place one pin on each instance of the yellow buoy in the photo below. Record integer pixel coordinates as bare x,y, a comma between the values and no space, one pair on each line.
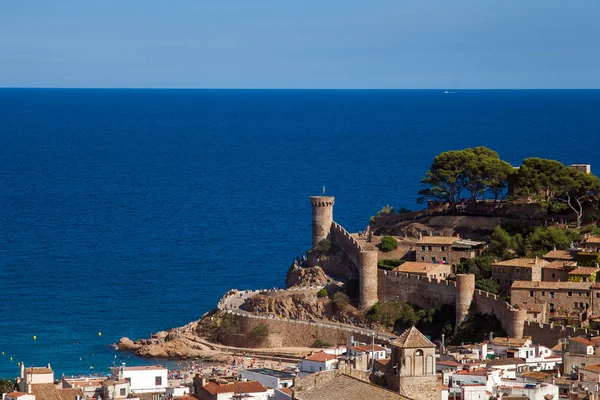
99,333
2,353
11,359
34,338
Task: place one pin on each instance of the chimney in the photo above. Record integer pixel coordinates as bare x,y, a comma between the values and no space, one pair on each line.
49,366
536,260
22,370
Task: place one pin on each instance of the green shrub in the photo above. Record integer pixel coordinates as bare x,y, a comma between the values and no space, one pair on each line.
324,245
320,344
322,293
388,243
389,265
341,301
260,331
487,285
587,259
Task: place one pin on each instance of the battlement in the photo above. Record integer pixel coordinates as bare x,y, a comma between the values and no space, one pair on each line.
322,201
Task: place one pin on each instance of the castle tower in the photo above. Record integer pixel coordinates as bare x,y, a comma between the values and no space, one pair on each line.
367,278
412,366
322,217
516,323
465,288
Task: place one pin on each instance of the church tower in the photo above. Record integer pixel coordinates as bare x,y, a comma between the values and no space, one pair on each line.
412,370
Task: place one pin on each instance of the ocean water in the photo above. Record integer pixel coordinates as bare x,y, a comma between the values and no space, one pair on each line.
127,212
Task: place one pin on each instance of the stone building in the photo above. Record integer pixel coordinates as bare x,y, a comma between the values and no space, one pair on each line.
411,369
562,298
557,271
592,244
435,271
561,255
582,274
449,250
517,269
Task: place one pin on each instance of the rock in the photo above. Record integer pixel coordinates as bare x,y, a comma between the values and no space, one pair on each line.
305,277
128,344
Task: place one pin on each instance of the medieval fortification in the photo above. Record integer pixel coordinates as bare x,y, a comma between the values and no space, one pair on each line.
375,285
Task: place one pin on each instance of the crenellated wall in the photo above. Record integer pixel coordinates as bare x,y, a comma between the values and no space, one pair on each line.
549,334
341,239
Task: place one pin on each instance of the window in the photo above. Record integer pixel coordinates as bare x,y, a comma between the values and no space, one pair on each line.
444,259
531,293
598,295
518,271
122,392
553,275
569,294
433,259
575,305
443,248
429,248
581,305
419,353
423,248
158,381
552,307
551,295
422,258
587,294
543,293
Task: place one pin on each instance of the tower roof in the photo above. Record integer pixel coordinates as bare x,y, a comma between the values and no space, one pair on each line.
412,338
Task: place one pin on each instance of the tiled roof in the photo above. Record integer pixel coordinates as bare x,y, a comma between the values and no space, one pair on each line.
584,341
533,307
414,267
474,372
45,391
537,375
583,271
496,362
366,348
560,255
234,387
510,341
347,388
69,394
412,338
551,285
383,361
441,240
591,368
321,356
521,262
593,239
16,394
560,265
449,363
38,370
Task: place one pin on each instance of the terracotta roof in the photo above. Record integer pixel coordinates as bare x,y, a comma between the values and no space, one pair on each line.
521,262
591,368
440,240
343,387
537,375
561,255
69,393
16,394
584,271
593,239
383,361
475,372
413,267
560,265
286,391
321,356
449,363
412,338
551,285
496,362
145,368
38,370
366,348
584,341
234,387
510,341
45,391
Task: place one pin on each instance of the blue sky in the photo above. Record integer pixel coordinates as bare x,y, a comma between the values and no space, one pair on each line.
300,44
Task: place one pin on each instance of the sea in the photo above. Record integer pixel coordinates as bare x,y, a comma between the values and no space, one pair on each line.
126,212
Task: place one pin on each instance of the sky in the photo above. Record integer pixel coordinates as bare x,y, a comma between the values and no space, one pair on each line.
396,44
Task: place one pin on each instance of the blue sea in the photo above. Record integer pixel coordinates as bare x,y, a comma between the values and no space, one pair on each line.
127,212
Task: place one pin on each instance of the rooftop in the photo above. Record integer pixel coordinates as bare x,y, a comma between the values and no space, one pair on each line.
366,348
414,267
567,255
412,338
521,262
236,387
271,372
583,271
16,394
496,362
584,341
532,307
440,240
321,356
510,341
146,368
593,239
39,370
345,387
551,285
537,375
466,244
591,368
559,264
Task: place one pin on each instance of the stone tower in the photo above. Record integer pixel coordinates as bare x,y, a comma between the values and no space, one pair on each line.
322,217
412,366
516,323
465,288
367,278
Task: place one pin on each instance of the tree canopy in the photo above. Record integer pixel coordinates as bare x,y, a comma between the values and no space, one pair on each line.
475,171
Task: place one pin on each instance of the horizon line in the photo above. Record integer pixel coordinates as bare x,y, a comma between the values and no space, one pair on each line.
266,88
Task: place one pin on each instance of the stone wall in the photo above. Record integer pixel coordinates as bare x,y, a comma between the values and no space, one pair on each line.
291,333
549,334
341,239
322,217
421,291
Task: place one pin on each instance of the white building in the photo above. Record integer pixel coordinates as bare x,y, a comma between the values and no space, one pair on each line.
520,388
18,396
251,390
267,377
145,379
377,352
177,391
320,361
34,375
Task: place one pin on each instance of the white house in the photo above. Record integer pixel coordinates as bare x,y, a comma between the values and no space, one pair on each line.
379,353
267,377
34,375
18,396
115,389
217,391
145,379
176,391
316,362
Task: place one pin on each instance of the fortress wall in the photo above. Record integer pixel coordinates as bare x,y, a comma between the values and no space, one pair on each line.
341,239
421,291
292,333
549,334
512,320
